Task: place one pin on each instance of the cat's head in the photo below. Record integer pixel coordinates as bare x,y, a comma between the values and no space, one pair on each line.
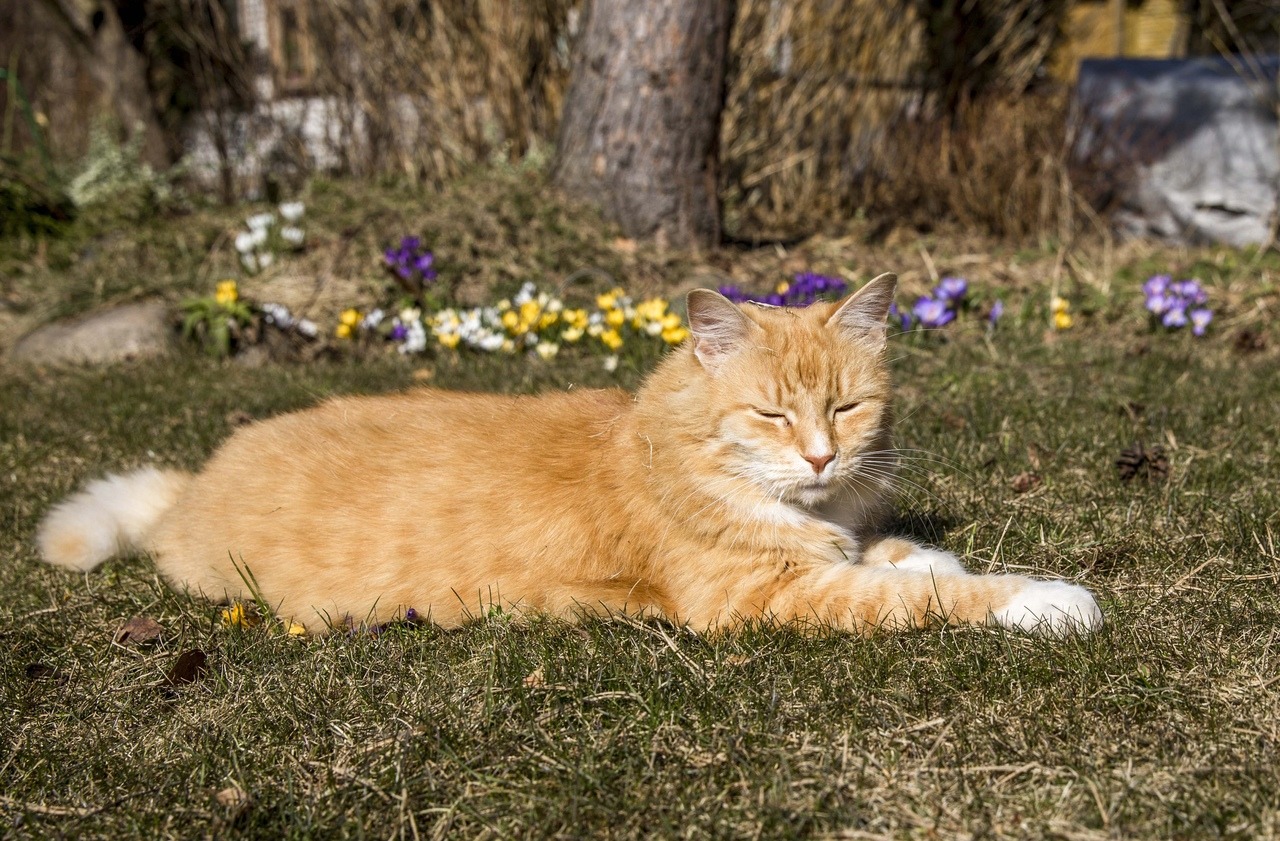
798,399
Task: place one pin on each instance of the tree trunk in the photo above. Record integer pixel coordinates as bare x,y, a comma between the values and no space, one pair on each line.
641,124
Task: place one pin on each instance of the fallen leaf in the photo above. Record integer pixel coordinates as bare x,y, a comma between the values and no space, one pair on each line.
139,630
43,671
534,679
232,797
296,629
1025,481
189,667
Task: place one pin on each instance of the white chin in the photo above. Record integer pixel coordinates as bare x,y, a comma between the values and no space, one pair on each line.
812,495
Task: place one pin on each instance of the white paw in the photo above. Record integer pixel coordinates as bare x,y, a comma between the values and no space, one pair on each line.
931,560
1055,608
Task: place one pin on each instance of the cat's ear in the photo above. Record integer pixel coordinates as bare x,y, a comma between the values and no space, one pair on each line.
719,328
864,316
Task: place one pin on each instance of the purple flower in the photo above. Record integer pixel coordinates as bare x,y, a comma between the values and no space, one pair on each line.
1200,319
1156,285
997,310
805,288
733,293
933,312
411,261
952,289
1174,317
399,332
904,318
411,615
1190,291
1158,302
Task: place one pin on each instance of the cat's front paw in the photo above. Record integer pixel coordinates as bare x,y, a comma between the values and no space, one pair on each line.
1055,608
932,561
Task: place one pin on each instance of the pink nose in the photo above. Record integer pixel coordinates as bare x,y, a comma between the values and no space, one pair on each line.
820,462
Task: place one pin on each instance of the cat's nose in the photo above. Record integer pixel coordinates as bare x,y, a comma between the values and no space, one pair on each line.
820,461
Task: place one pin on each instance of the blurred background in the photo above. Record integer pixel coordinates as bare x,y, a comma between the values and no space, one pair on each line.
904,112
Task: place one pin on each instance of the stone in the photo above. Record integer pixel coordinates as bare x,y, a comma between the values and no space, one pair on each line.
133,331
1192,143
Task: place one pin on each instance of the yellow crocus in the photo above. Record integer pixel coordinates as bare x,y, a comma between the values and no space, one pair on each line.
343,331
609,300
783,288
572,334
350,317
227,293
548,318
529,311
611,339
510,320
675,335
449,340
1057,305
615,317
1062,320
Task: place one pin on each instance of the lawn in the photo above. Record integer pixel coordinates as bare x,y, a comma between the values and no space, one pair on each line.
1165,724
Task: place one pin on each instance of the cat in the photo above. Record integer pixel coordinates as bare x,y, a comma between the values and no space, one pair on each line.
746,480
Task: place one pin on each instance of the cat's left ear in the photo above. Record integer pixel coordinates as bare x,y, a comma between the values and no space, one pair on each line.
864,316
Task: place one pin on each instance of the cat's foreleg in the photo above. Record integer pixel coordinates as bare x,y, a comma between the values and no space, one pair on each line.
863,597
897,553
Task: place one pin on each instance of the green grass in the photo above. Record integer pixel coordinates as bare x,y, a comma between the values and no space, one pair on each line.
1164,725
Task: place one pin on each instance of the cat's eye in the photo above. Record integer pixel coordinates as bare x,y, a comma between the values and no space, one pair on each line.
848,407
773,416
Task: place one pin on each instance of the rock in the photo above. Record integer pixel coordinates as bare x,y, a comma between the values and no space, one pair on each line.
134,331
1192,143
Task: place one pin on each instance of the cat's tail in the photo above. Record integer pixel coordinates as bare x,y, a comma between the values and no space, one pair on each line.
110,516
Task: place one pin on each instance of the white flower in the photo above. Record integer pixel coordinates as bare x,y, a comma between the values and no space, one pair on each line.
596,318
554,305
265,259
530,338
410,315
491,342
372,320
244,242
292,235
653,328
249,262
547,350
611,362
526,293
278,314
260,221
292,210
258,236
416,339
308,328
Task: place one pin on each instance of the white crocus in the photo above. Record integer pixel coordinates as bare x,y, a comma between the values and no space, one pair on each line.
249,262
244,242
265,259
260,221
611,362
547,350
308,328
292,235
292,210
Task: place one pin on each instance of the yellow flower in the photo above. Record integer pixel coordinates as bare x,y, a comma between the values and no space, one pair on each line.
572,334
1062,320
652,309
609,300
449,340
611,339
237,617
510,320
343,331
508,346
547,350
783,288
350,317
675,335
529,311
227,293
1059,305
670,321
504,305
548,318
295,629
615,317
575,318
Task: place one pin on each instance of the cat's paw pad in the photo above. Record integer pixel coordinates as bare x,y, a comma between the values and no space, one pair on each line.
1055,608
932,561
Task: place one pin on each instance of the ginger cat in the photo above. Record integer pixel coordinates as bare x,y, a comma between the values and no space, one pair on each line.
744,481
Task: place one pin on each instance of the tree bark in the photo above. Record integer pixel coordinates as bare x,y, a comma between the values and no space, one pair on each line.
641,123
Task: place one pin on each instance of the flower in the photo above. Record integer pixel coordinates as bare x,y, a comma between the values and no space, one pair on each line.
1200,318
933,312
308,328
227,293
904,318
260,222
1060,309
244,242
547,350
952,289
612,339
295,629
292,210
997,310
350,317
1174,317
410,261
675,335
237,617
292,235
611,362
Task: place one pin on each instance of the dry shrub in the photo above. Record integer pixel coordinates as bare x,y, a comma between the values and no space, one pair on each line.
1001,165
425,89
826,102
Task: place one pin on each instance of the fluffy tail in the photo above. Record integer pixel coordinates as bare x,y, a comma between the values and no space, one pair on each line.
110,516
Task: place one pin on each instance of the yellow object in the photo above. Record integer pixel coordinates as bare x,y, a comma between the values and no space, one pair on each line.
611,339
350,317
615,317
449,340
572,334
675,335
343,331
1057,305
548,318
227,293
510,320
237,617
1062,320
609,300
296,629
783,288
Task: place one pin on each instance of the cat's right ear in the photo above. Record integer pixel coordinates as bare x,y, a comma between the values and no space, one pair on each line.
719,328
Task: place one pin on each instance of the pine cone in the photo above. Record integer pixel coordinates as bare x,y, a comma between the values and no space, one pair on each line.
1138,461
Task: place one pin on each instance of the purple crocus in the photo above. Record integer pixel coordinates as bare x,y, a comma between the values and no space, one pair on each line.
735,294
904,318
1156,285
804,289
411,261
952,289
1174,317
1200,319
997,310
399,332
933,312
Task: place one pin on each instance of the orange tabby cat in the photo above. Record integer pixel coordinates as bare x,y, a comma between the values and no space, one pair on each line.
745,480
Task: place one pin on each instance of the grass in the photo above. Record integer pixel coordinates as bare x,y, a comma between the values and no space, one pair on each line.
1164,725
